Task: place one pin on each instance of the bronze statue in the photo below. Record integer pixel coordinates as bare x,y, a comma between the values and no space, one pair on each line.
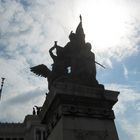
77,56
59,67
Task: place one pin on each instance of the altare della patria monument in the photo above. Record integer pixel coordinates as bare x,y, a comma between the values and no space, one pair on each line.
77,106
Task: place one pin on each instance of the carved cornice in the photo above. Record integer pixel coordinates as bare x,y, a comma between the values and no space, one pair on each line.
65,91
90,112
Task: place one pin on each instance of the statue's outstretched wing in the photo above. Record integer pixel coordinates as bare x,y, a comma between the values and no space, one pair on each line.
41,70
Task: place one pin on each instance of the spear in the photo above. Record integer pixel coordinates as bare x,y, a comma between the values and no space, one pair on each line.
2,82
100,64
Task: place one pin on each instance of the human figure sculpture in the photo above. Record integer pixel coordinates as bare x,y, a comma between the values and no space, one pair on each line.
90,61
80,34
83,66
34,112
76,55
90,66
59,67
38,109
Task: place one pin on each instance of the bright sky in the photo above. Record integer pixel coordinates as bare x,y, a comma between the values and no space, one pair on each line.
28,28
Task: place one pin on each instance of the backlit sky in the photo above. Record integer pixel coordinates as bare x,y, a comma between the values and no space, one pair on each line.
28,28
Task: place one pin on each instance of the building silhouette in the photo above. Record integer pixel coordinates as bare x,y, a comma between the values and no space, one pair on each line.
30,129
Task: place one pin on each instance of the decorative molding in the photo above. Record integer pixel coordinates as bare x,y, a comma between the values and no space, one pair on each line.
92,112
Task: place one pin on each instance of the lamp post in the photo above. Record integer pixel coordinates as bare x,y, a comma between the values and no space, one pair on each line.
2,83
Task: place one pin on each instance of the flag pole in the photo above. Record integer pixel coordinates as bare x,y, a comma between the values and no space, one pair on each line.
2,83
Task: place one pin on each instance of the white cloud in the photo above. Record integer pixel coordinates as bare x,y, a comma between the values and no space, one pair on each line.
21,103
112,27
125,72
127,94
127,110
27,31
131,129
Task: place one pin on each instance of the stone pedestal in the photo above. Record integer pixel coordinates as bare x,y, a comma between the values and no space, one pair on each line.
73,112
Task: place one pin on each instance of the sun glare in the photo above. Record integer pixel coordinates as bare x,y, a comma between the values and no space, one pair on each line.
104,23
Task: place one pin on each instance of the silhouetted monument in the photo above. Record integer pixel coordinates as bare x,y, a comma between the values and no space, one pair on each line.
77,107
76,56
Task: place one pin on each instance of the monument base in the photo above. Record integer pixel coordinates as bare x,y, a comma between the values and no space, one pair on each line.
74,112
